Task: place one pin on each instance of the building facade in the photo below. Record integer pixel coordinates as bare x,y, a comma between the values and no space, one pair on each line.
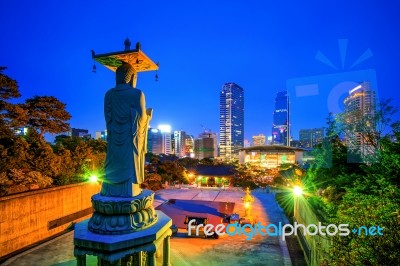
154,141
271,156
281,120
77,132
259,140
206,146
189,145
214,175
21,131
180,143
166,138
308,138
101,135
360,111
231,124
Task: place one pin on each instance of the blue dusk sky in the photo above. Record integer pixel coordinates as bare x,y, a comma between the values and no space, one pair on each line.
322,47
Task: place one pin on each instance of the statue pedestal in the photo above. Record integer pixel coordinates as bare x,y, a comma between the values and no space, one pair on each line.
123,231
126,248
116,216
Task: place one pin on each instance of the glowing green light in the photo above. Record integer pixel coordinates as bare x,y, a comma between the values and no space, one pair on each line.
297,191
93,178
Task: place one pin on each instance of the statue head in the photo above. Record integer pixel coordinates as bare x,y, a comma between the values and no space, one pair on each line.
124,74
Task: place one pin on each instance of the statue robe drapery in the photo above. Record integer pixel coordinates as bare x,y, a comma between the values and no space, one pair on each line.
127,125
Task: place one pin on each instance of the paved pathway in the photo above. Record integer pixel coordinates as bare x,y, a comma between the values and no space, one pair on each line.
228,250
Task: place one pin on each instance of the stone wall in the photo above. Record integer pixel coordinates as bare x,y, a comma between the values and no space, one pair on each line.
33,216
315,247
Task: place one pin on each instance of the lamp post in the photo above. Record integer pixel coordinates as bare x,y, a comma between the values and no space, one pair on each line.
247,202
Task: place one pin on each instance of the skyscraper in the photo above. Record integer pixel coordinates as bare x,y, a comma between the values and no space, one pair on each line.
180,143
231,120
154,141
281,120
360,110
166,138
189,145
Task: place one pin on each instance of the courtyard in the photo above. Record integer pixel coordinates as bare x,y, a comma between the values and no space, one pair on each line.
227,250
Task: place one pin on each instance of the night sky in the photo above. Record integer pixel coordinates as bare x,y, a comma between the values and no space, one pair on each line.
263,46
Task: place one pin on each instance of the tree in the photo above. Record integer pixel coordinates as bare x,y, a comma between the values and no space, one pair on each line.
362,194
8,90
46,114
358,248
11,115
42,157
152,181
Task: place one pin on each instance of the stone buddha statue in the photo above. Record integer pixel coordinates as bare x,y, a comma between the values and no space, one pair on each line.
127,122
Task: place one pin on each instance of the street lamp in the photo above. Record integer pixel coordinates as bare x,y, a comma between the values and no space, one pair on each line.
297,191
247,202
190,175
93,178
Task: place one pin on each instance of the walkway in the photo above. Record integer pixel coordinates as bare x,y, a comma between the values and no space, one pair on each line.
228,250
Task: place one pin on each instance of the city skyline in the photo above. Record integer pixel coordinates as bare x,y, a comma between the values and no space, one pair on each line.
264,47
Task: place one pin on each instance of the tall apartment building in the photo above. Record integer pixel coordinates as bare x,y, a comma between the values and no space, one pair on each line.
180,143
231,119
189,145
281,120
159,140
166,138
154,141
360,110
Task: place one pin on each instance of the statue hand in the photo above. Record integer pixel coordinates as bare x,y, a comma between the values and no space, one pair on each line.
149,112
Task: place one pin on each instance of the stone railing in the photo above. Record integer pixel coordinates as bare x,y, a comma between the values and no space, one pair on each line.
315,247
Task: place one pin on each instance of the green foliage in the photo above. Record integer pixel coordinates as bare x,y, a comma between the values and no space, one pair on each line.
169,167
41,155
8,90
189,163
367,210
28,162
80,158
17,180
152,181
208,161
10,114
362,194
330,170
46,114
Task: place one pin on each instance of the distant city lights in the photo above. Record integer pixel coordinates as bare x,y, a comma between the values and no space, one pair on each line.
164,128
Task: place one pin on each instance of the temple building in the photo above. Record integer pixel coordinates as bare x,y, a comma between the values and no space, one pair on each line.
214,175
270,156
